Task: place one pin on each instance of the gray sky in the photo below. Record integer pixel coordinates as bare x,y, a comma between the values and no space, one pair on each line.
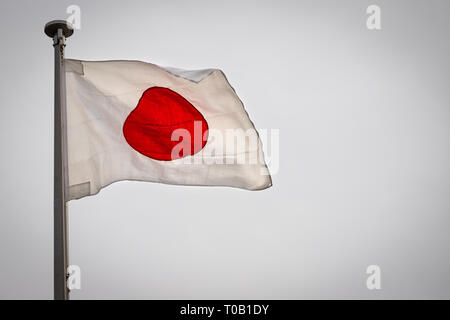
364,151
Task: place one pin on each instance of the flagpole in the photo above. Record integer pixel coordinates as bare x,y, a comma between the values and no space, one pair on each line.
59,30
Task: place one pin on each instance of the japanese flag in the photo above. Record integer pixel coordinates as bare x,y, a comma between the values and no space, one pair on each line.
131,120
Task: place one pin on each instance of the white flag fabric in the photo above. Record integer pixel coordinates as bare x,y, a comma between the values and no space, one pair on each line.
121,119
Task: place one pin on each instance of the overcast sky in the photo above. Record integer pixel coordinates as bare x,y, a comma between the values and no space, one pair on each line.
364,176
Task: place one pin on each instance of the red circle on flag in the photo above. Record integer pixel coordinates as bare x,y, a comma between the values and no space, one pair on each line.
162,115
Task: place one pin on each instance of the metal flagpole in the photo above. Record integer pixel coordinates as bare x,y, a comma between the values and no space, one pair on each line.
59,30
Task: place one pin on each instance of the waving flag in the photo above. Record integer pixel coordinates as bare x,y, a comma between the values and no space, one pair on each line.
130,120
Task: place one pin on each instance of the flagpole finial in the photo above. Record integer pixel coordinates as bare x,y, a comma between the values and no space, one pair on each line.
51,28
